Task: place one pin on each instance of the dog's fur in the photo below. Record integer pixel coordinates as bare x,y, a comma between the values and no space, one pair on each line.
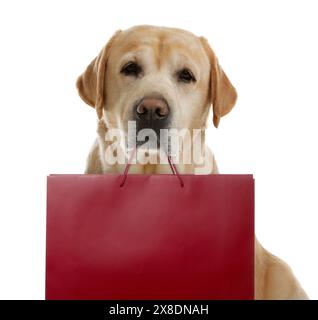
162,52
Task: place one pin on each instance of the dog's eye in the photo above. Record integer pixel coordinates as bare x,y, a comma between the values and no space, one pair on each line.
186,76
131,69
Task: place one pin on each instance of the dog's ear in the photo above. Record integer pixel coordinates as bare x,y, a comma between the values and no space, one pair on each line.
223,94
91,84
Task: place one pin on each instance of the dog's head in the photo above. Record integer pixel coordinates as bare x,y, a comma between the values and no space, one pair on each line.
159,77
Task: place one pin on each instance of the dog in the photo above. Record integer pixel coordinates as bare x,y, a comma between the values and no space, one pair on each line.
168,78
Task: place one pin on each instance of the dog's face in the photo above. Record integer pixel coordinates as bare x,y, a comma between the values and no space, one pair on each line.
159,77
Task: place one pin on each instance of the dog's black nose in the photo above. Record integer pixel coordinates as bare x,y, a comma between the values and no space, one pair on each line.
152,109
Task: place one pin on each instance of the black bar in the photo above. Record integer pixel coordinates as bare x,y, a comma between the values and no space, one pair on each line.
124,309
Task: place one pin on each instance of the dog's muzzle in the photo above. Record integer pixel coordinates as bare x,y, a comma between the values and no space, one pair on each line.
152,113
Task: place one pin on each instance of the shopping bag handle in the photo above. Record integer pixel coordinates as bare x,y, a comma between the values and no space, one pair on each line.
172,166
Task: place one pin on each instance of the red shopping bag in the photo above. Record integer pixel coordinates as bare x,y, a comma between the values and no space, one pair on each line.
150,237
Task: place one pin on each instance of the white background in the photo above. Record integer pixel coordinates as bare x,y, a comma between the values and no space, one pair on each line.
268,49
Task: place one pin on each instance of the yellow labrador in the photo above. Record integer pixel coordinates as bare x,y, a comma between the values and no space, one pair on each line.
168,78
